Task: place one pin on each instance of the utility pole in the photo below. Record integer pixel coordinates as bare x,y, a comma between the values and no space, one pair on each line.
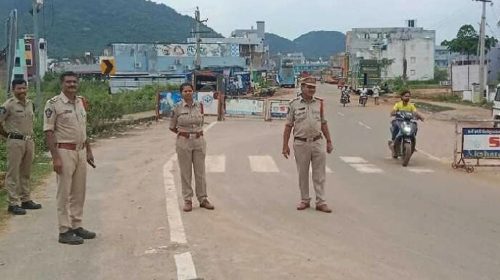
482,35
197,17
36,46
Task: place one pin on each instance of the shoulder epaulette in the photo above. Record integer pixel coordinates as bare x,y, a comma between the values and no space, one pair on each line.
54,99
318,98
295,99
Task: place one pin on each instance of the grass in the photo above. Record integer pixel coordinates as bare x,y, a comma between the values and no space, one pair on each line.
432,108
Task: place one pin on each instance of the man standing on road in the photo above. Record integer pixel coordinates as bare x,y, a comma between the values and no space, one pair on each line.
306,117
65,124
16,124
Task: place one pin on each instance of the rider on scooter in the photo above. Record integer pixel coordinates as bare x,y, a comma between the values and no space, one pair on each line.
403,105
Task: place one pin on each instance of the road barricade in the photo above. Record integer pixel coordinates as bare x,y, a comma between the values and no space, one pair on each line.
245,107
167,100
476,145
276,109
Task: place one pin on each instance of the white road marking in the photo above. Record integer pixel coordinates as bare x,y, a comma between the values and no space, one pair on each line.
367,168
177,233
420,170
341,114
215,164
353,160
364,125
327,169
209,126
185,266
263,164
429,155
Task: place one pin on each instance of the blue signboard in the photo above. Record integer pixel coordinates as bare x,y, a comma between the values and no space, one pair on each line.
481,143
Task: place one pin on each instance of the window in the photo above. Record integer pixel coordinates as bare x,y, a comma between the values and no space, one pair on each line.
27,47
367,36
17,62
413,60
497,96
29,62
412,72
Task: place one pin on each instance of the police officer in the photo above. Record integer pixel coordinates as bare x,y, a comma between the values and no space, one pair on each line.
16,114
306,117
65,125
187,123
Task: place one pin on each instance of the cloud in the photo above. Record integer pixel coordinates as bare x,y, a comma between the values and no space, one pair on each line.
292,18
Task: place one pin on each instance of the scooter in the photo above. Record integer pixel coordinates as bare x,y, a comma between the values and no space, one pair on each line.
344,98
404,143
363,98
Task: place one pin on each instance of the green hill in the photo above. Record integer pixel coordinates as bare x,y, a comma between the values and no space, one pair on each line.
73,27
314,44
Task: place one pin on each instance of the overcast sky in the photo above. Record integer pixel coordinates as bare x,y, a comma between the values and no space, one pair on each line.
292,18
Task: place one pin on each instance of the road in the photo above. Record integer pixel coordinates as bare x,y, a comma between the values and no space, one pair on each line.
425,221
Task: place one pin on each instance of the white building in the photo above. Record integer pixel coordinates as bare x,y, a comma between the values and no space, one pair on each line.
413,44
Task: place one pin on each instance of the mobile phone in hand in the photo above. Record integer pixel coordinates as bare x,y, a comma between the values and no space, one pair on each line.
91,163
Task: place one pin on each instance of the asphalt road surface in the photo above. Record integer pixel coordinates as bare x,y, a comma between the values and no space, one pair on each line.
424,221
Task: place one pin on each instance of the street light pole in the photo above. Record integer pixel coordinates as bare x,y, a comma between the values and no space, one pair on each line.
36,52
482,35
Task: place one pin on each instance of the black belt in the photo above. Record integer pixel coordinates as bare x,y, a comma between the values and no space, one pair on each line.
309,139
19,136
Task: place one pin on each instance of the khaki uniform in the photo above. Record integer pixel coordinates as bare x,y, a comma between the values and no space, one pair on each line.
191,151
17,119
68,120
306,117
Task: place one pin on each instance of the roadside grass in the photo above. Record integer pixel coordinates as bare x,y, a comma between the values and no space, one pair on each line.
432,108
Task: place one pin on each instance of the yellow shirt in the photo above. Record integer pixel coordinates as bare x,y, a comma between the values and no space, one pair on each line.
410,107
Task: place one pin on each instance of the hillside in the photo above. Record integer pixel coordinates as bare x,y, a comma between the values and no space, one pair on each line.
73,27
314,44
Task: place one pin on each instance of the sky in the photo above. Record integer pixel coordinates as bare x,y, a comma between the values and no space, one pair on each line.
292,18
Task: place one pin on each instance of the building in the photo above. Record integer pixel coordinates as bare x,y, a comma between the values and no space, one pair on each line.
251,45
443,57
29,46
396,48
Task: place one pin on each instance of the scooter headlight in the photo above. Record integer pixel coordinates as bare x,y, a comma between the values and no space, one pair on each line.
406,129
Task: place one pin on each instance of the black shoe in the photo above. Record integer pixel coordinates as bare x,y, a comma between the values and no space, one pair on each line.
30,205
16,210
70,238
83,233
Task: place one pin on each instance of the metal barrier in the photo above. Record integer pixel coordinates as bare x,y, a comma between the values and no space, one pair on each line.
276,109
477,143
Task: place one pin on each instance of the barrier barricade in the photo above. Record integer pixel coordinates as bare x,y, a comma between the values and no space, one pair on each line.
476,145
166,101
276,109
245,107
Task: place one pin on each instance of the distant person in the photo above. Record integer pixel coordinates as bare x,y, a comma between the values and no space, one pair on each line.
65,127
187,123
376,94
16,124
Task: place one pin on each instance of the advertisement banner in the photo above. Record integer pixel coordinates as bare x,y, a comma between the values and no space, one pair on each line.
278,108
244,107
481,143
167,102
209,103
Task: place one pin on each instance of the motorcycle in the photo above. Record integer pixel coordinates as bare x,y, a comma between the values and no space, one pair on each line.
404,143
363,98
344,98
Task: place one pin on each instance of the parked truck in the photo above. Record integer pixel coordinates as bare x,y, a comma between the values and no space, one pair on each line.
368,73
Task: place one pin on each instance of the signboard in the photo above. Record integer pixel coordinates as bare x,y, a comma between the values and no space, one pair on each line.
108,66
244,107
209,102
278,108
206,50
481,143
168,100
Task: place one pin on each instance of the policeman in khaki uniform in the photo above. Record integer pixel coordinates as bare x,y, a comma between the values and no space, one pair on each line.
16,124
65,123
187,123
306,118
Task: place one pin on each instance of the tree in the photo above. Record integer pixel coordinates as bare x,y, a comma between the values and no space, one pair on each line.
440,74
467,41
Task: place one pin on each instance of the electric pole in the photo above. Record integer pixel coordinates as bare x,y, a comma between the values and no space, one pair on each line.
36,46
197,17
482,35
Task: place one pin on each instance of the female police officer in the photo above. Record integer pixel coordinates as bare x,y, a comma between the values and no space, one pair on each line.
187,123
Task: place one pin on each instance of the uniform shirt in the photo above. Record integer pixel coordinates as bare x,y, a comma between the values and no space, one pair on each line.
305,117
410,107
17,117
187,118
67,119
